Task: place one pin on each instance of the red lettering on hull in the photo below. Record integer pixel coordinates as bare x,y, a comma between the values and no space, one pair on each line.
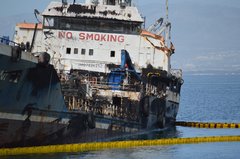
69,35
92,36
65,35
61,34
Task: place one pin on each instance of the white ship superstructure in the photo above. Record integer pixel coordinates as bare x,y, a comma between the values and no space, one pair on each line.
90,36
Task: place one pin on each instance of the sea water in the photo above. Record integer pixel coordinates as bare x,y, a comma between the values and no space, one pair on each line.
205,98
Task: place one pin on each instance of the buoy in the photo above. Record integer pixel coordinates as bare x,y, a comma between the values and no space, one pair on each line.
208,125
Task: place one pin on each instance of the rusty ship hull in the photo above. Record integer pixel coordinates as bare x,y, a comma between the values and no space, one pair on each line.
87,72
34,113
30,115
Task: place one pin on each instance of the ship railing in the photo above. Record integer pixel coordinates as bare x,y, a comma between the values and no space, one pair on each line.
102,85
76,80
115,86
103,108
5,40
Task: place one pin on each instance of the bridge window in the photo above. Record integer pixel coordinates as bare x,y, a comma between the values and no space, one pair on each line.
68,50
112,54
49,22
110,2
82,24
75,51
90,52
83,51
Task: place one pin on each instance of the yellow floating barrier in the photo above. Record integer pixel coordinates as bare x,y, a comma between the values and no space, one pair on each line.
83,147
208,125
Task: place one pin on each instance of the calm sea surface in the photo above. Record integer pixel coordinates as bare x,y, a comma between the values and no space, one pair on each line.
204,98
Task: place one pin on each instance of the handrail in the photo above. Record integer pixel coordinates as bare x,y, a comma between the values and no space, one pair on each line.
8,41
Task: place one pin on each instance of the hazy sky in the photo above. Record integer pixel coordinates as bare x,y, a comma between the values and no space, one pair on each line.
206,33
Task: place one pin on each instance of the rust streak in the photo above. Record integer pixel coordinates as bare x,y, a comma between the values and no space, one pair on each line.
149,34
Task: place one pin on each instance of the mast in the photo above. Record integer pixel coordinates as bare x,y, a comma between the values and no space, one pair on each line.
168,25
167,10
167,34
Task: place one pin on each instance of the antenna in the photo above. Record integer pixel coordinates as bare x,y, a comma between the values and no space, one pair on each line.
167,10
168,27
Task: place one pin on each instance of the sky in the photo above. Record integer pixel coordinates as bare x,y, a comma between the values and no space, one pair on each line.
206,33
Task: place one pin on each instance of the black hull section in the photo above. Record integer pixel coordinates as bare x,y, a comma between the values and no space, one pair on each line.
171,112
17,133
27,132
30,110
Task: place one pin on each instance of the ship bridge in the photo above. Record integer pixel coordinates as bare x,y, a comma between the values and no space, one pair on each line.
105,10
100,16
90,36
